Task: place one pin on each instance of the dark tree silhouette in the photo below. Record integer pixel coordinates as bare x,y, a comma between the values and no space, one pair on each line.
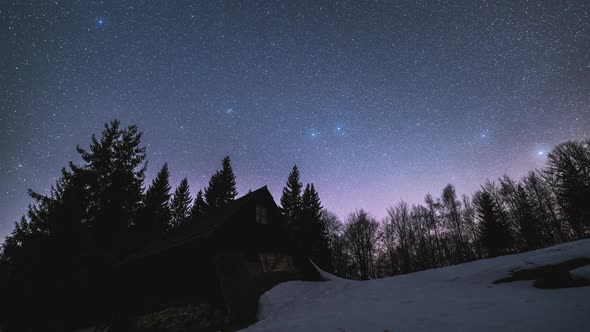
340,260
568,172
398,235
303,211
114,171
544,203
527,220
433,226
155,214
361,236
199,207
180,206
72,237
291,197
74,234
452,209
222,186
493,230
314,234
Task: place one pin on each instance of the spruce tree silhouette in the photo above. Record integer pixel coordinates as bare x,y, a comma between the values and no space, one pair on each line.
74,234
314,234
291,197
155,214
303,211
114,168
222,186
180,207
493,230
199,208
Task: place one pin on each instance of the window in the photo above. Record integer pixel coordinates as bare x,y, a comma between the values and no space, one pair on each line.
273,262
261,215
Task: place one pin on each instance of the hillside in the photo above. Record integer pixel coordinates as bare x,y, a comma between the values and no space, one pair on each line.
462,297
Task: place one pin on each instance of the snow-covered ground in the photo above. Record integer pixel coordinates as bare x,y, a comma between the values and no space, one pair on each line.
456,298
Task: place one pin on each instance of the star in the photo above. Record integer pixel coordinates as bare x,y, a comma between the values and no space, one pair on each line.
100,22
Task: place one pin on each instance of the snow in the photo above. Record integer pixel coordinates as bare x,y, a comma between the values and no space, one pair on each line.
582,272
461,297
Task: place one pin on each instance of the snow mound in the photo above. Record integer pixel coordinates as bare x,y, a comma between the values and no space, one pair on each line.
461,297
582,272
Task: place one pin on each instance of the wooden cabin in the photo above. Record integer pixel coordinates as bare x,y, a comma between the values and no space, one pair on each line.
226,260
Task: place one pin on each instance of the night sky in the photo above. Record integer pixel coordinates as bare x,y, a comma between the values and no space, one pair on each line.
374,100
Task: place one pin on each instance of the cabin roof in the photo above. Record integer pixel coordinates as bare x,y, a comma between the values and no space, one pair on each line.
204,229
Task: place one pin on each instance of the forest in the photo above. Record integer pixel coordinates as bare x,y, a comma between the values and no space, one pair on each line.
100,211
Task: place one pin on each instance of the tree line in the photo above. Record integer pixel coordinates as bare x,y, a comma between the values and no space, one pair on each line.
506,216
98,212
95,215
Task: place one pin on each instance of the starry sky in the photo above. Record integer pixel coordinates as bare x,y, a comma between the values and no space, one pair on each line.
376,101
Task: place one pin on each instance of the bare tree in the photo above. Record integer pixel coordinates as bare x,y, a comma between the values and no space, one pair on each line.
361,236
398,220
433,221
452,211
470,227
545,204
341,260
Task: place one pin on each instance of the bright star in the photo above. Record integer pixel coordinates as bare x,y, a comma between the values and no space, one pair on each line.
339,130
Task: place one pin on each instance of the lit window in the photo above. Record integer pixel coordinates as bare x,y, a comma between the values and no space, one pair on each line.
272,262
261,215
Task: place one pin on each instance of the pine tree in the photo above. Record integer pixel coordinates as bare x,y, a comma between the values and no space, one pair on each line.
199,208
76,231
311,204
180,209
155,216
493,230
114,171
314,234
222,186
291,200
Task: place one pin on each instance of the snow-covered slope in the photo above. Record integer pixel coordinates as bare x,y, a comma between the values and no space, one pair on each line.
456,298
